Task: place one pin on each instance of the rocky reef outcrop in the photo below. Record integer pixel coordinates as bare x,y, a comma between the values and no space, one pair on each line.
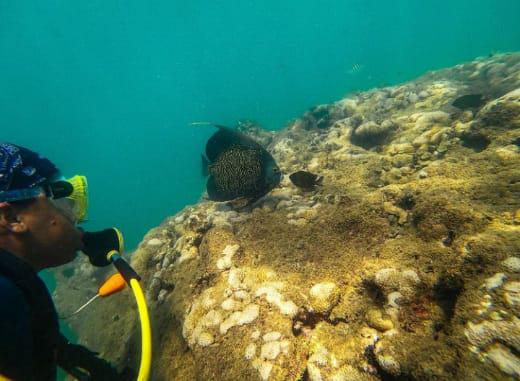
403,265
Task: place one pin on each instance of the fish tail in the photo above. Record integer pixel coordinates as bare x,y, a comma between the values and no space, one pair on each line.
202,124
219,126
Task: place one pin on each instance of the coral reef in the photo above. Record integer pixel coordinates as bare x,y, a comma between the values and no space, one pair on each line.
402,265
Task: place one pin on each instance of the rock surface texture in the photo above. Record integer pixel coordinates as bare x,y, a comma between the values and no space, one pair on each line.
403,265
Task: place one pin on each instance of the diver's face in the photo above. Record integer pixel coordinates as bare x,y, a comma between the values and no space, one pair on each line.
51,235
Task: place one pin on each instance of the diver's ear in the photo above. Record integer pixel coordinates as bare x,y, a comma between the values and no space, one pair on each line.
10,220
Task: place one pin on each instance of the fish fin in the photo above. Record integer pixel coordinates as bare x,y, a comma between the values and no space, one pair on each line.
224,139
201,124
213,193
219,142
205,166
319,180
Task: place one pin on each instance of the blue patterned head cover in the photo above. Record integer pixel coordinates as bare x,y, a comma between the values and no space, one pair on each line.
21,168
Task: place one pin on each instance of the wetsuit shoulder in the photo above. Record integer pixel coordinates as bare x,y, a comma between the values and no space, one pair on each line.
15,332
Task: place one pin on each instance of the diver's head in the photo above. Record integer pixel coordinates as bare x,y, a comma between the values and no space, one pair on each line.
34,224
273,175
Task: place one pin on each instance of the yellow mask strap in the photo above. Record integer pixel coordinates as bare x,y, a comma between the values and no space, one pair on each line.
79,196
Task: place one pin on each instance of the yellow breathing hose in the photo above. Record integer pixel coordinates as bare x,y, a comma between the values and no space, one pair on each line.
132,278
146,331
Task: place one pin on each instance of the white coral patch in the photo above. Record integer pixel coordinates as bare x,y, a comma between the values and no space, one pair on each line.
229,305
512,294
504,360
205,339
263,367
314,372
286,307
272,336
230,250
248,315
495,281
155,242
211,319
270,350
235,278
512,264
225,262
250,351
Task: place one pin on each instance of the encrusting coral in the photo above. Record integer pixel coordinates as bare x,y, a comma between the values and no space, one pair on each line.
402,265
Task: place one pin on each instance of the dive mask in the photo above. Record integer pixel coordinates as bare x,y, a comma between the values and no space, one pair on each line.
69,196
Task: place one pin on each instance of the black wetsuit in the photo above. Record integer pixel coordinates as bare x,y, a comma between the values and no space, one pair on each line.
29,334
31,346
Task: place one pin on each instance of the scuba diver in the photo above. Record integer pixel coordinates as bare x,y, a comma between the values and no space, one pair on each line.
39,211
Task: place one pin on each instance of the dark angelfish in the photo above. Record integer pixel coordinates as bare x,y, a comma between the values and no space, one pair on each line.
238,167
305,180
469,101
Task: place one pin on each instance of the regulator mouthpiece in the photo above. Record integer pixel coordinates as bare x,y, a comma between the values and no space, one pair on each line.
97,245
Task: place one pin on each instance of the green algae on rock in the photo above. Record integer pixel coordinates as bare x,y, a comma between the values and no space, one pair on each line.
403,265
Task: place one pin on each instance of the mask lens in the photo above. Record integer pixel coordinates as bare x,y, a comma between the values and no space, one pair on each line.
66,207
61,189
